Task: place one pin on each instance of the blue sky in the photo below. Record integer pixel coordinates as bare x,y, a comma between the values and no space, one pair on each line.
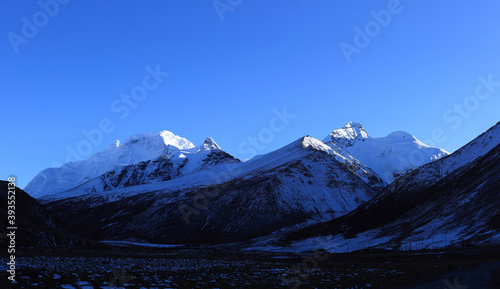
430,68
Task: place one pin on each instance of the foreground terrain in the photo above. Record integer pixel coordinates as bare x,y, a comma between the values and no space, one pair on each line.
135,267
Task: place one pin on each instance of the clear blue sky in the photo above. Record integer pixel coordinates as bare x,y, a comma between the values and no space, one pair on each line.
227,75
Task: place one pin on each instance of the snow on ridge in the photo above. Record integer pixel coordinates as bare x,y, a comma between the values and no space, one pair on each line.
401,135
318,145
210,143
350,132
135,149
164,137
390,156
291,152
476,148
308,141
275,158
175,140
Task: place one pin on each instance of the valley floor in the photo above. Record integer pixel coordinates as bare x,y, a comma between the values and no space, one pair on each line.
176,268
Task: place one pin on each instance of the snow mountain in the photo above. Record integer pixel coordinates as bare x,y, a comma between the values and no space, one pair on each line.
453,201
303,181
161,188
160,151
390,157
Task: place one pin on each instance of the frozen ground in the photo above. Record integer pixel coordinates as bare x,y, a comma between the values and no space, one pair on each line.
171,268
151,272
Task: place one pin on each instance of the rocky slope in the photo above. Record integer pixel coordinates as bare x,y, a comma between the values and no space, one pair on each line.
143,156
35,227
452,201
305,180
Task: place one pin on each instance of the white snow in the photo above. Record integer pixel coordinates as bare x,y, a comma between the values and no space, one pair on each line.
471,151
351,131
339,244
216,175
137,148
307,188
317,144
478,147
389,156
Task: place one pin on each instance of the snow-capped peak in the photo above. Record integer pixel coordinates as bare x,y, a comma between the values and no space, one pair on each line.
390,156
308,141
401,135
210,144
348,134
135,149
159,139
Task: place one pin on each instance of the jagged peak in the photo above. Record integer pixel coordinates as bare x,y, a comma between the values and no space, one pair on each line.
316,144
352,130
159,138
210,144
353,124
348,134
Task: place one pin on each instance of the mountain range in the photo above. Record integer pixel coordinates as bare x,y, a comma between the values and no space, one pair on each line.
387,191
390,157
452,201
174,156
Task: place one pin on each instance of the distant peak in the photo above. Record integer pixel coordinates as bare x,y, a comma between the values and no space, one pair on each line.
306,139
316,144
353,129
158,138
353,125
170,138
356,128
210,144
114,145
348,134
402,135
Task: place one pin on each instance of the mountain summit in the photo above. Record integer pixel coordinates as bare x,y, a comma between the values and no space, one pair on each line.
452,201
159,187
210,144
222,201
136,149
390,157
348,135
